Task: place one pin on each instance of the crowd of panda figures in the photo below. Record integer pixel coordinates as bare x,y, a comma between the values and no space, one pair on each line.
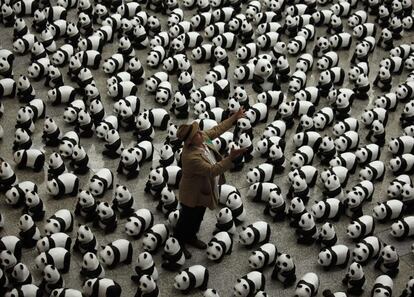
212,30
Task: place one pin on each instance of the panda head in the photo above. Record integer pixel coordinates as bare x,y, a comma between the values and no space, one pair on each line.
409,107
91,91
256,260
407,22
233,201
275,152
150,242
172,246
253,175
181,280
52,226
360,253
246,26
32,199
341,144
324,257
297,161
355,271
145,260
377,127
389,252
133,226
365,174
225,215
84,234
284,262
107,255
13,196
175,17
24,114
282,63
167,195
395,164
379,211
129,156
26,222
246,236
395,189
327,231
55,160
96,187
74,63
122,194
104,210
306,221
18,155
21,136
7,259
286,109
147,284
303,290
185,77
353,230
163,94
219,53
354,198
102,129
90,262
297,81
66,149
20,272
318,209
50,274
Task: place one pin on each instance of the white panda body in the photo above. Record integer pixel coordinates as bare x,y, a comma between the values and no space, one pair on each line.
219,246
118,251
361,227
374,171
195,276
258,232
64,184
58,256
367,249
251,283
337,255
263,257
403,228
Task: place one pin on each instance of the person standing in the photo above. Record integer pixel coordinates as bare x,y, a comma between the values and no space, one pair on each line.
202,172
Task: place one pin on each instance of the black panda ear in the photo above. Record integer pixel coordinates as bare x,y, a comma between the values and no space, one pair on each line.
379,203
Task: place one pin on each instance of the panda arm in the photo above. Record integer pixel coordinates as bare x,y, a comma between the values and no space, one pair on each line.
199,166
220,128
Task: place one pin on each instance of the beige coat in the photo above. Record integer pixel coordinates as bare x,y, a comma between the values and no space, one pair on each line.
197,181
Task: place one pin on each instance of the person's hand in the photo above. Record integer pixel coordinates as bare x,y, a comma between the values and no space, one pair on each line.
239,114
234,153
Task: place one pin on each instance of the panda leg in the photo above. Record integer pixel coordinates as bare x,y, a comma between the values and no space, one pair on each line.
75,188
164,122
66,263
128,259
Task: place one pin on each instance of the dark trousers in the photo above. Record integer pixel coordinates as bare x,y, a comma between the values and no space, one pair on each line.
189,223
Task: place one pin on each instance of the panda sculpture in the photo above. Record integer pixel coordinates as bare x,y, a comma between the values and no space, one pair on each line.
337,255
383,286
327,235
355,279
249,285
155,237
308,285
145,266
193,277
64,184
91,267
59,239
403,228
101,286
106,217
361,227
118,251
29,233
58,257
60,221
258,232
85,241
100,182
367,249
388,261
263,257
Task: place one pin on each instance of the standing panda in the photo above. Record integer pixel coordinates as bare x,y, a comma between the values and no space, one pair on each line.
29,233
195,276
60,221
250,284
388,261
30,158
101,287
58,257
337,255
118,251
173,257
258,232
106,217
91,267
64,184
100,182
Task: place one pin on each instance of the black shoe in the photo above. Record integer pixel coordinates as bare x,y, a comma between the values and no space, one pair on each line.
197,243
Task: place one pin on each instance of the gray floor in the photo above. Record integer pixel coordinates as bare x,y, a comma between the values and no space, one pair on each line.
223,275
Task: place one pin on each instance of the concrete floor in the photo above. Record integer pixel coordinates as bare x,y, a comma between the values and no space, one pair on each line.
223,275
